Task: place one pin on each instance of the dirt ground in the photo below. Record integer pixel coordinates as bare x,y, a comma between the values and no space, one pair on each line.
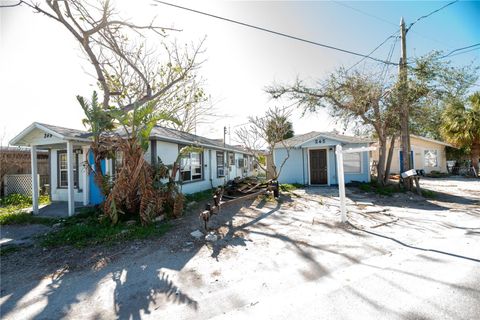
264,249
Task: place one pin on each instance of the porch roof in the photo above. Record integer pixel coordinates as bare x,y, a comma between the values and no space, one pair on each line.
299,140
46,134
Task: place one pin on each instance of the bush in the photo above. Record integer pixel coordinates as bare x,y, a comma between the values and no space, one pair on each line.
287,187
16,199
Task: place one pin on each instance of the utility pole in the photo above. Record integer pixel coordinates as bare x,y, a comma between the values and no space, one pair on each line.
404,107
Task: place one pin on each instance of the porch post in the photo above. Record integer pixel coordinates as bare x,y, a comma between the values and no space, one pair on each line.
86,176
71,198
33,157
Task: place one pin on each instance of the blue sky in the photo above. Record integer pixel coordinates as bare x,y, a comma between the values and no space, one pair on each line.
42,68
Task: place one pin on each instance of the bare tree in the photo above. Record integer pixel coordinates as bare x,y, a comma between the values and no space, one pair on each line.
263,134
355,98
129,72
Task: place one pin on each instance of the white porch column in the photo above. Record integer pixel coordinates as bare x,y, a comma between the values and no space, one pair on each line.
341,183
71,198
33,157
86,176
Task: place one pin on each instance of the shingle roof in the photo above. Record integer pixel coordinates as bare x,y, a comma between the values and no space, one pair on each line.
67,132
168,134
302,138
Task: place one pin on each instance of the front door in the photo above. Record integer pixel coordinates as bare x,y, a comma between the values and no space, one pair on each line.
318,166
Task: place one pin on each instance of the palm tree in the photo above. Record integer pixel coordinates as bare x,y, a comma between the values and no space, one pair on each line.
461,125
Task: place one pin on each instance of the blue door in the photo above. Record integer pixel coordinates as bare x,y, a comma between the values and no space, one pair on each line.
401,160
96,196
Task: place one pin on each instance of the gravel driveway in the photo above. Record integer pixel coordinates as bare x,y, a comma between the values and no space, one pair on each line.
285,260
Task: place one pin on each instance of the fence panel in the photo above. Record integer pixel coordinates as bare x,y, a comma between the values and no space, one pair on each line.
19,183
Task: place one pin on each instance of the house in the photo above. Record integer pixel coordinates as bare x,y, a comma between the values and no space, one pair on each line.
426,154
312,159
69,149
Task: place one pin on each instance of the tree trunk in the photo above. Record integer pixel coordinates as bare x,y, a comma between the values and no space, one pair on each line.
381,160
389,159
475,156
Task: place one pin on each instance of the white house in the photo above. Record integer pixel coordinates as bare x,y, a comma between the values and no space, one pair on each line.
69,149
312,159
426,154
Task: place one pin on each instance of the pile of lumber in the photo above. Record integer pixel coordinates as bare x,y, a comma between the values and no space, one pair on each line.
234,191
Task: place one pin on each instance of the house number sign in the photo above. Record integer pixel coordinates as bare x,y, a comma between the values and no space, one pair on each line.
317,141
47,135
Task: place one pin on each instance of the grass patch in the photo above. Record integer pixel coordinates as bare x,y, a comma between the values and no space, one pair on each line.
88,228
20,217
373,186
8,250
287,187
429,194
12,210
200,196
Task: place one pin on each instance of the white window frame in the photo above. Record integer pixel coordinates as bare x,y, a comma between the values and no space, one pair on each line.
187,166
220,164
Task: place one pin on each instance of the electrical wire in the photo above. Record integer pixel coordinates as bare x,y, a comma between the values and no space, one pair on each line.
429,14
394,35
275,32
460,49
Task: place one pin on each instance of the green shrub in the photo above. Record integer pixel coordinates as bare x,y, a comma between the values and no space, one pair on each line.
287,187
16,199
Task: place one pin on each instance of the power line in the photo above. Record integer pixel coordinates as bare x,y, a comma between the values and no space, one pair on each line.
386,21
394,35
460,49
275,32
429,14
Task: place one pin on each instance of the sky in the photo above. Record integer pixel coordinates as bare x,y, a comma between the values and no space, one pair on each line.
42,68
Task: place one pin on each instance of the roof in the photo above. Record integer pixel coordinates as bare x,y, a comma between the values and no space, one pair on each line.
67,132
177,136
158,133
300,139
432,140
59,132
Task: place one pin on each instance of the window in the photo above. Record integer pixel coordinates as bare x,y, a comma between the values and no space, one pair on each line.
231,158
352,163
430,158
191,167
220,164
62,174
117,163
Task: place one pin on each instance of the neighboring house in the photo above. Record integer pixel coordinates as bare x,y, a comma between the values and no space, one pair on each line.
16,161
312,159
217,163
426,154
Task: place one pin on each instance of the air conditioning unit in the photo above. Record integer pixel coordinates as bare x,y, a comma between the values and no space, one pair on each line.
221,172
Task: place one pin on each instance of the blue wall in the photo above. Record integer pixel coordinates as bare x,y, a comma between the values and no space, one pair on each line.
296,168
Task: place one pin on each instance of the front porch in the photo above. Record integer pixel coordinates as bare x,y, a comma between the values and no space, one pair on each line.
58,209
69,177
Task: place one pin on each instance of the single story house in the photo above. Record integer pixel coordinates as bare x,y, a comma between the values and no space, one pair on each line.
312,159
70,148
426,154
